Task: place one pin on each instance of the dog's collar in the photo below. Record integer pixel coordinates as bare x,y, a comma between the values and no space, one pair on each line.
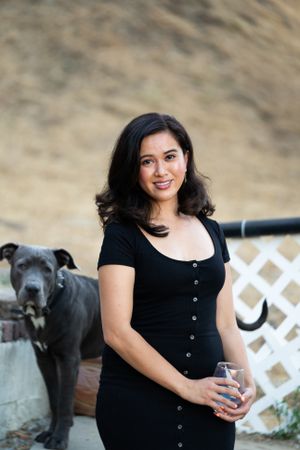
60,282
60,285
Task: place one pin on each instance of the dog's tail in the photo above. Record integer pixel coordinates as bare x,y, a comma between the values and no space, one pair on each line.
258,323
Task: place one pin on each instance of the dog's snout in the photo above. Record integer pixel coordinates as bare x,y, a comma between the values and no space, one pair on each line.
32,287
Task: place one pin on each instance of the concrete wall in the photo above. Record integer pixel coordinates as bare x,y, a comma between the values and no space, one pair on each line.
23,393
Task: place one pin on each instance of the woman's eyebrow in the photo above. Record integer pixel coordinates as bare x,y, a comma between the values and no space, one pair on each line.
148,155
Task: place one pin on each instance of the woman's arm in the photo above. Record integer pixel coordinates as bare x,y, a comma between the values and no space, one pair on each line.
233,346
116,284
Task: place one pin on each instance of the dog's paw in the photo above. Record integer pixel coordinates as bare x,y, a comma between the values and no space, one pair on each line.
56,443
43,436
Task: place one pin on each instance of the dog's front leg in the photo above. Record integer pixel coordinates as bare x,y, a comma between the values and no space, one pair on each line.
47,366
68,367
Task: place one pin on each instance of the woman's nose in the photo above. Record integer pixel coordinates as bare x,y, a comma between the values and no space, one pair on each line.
160,169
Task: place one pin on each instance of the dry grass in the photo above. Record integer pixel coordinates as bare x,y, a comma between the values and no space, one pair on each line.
73,75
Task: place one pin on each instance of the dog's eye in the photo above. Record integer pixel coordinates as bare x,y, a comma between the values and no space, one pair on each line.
47,269
22,266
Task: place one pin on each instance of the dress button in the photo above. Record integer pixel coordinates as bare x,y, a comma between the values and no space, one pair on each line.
185,372
194,317
196,282
179,408
180,444
195,299
192,337
188,354
179,427
195,265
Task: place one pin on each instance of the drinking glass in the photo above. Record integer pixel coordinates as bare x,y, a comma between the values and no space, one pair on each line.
233,372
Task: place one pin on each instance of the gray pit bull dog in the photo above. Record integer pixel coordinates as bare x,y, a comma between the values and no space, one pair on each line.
62,317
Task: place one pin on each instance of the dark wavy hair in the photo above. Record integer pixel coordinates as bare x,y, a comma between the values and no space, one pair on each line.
123,200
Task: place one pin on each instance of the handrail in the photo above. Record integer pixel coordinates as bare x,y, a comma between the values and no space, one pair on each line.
251,228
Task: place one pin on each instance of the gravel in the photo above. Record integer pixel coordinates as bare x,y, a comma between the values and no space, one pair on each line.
23,438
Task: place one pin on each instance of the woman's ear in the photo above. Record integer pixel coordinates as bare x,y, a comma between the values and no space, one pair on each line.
186,156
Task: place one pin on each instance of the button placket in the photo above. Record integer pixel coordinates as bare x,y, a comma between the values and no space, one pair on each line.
191,338
179,426
192,334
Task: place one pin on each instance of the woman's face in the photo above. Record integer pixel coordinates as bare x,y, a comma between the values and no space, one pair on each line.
162,166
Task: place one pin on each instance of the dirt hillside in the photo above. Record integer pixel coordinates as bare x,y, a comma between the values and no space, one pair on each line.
74,73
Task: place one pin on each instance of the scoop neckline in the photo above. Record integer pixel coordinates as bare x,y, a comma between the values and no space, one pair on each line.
189,261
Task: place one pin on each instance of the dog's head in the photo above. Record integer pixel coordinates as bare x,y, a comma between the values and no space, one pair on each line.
35,274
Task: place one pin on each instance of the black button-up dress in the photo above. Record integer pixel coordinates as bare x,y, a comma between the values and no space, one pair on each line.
175,311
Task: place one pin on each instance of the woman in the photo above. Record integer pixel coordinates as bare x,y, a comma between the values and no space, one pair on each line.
166,300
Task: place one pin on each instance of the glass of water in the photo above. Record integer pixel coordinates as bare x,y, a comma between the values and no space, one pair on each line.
234,372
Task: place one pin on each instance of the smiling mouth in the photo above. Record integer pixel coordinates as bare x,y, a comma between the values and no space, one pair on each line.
163,184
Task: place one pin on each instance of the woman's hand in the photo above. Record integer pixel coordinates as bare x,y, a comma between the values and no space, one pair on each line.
207,391
232,415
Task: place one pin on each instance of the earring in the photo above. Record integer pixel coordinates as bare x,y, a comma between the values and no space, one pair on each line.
185,177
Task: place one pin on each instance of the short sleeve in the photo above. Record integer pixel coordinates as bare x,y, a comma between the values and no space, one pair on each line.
225,252
118,246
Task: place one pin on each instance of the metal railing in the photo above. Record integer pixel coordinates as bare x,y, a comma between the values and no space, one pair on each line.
252,228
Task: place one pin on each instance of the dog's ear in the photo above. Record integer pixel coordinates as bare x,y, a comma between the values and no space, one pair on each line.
64,259
7,251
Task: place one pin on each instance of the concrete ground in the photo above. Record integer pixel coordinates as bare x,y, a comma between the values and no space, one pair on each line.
84,436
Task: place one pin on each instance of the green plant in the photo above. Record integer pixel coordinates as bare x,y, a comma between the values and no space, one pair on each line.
288,415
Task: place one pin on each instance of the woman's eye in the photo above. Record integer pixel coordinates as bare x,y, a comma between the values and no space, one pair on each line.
146,162
171,156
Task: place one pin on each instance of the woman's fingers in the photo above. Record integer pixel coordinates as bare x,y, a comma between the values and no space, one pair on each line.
228,417
215,392
227,391
230,392
248,395
232,414
225,381
226,402
238,412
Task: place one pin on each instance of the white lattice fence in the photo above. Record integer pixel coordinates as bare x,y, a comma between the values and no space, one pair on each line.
269,267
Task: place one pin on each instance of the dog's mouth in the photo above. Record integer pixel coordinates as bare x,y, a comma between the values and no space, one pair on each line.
30,309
